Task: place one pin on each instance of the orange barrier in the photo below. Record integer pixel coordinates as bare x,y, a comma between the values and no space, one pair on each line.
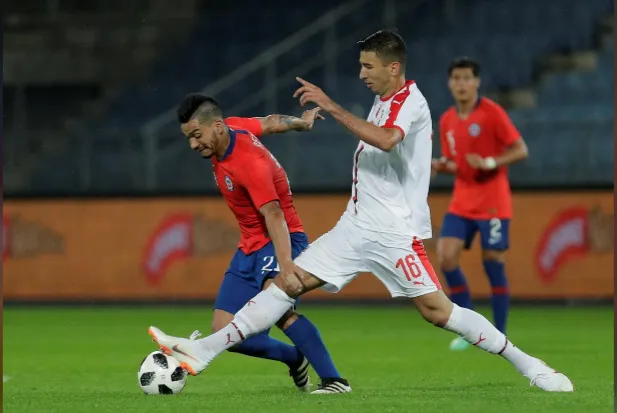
561,246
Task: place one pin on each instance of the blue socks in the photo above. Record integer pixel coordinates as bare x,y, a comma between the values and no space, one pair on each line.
266,347
500,298
307,342
307,339
459,291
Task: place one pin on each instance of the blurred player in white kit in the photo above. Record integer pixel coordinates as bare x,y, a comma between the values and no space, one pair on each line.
381,231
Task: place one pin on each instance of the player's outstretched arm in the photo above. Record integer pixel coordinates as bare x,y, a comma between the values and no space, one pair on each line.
383,138
284,123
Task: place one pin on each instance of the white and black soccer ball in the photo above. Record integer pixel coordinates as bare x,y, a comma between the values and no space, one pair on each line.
161,374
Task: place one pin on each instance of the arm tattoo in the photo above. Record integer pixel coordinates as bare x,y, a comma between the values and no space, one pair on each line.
287,120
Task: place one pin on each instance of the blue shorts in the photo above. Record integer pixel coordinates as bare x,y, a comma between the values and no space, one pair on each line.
494,232
247,273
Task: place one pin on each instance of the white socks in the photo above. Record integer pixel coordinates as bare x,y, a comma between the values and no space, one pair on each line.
477,330
259,314
263,311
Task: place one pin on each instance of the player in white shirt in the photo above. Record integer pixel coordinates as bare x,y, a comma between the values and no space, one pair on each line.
381,231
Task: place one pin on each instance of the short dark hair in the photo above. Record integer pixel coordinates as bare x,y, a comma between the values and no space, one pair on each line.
387,45
201,105
464,63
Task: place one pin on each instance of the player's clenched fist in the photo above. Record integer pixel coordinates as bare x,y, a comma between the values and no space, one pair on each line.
290,277
438,166
478,162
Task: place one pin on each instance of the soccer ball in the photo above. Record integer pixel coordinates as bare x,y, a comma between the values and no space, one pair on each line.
161,374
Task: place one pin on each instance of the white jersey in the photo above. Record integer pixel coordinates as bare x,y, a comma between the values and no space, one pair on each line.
390,189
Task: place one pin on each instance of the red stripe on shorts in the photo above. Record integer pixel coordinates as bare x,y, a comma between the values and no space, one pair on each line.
418,247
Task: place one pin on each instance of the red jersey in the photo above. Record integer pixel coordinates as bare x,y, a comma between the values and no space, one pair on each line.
249,176
487,131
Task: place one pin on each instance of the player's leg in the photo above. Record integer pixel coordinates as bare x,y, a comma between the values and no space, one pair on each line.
456,233
405,270
266,347
437,309
300,330
307,338
494,234
233,294
331,255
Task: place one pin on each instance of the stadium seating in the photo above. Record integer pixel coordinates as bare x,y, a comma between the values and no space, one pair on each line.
568,132
574,124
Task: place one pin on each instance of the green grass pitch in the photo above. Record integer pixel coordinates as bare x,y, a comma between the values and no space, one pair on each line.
86,360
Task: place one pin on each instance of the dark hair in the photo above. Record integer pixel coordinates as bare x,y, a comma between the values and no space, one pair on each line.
464,63
388,46
198,104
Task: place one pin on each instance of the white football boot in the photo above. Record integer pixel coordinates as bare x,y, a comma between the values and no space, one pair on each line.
182,349
548,379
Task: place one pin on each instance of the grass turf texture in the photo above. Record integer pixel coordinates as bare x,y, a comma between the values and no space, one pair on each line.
86,360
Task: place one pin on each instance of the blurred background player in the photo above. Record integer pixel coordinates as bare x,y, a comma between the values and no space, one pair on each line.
478,142
257,191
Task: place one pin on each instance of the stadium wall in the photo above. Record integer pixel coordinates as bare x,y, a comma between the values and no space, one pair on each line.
177,249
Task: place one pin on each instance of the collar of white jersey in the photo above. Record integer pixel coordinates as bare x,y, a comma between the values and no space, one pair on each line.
407,85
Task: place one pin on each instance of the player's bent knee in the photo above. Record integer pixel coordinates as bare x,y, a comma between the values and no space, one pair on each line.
448,261
493,255
448,252
297,283
435,308
287,320
290,284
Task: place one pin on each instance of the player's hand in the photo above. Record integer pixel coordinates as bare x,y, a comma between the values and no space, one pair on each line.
308,92
287,267
476,161
309,116
438,166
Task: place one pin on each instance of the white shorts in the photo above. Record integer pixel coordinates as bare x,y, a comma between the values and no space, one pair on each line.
399,262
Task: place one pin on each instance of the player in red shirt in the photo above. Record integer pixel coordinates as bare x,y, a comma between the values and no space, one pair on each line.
257,191
478,142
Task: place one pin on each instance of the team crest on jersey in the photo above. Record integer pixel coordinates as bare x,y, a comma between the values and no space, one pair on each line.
474,130
230,185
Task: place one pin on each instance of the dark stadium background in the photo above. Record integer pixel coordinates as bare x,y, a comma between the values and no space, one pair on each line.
96,174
